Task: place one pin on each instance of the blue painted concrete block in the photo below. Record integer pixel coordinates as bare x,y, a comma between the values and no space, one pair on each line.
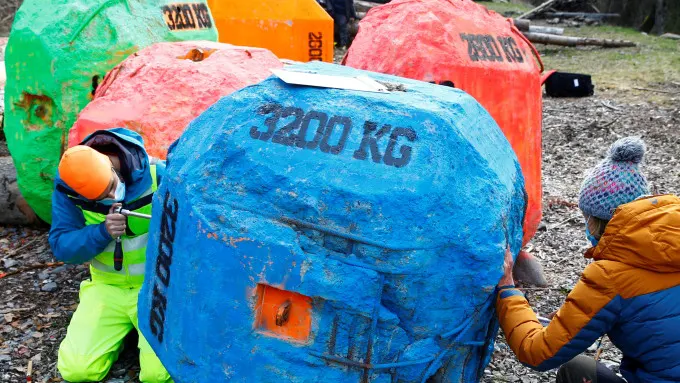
389,211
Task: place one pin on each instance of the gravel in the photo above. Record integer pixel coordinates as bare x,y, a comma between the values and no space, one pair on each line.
576,135
37,304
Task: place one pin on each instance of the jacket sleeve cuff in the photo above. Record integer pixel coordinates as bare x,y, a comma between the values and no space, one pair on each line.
104,236
505,287
509,292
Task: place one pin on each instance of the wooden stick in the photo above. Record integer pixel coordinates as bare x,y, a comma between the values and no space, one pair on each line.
538,9
585,15
555,226
546,30
25,245
606,105
5,311
612,122
572,41
599,348
655,90
525,26
31,267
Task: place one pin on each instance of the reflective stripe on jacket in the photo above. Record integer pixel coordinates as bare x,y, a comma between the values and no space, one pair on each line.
133,243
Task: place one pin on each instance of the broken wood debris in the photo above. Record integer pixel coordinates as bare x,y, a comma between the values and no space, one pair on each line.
582,15
538,10
525,26
609,106
655,90
572,41
31,267
550,9
672,36
25,245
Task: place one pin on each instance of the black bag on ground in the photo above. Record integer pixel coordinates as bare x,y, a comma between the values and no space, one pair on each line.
562,84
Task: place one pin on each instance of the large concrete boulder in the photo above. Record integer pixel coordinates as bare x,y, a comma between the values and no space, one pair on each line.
160,89
311,234
58,53
462,44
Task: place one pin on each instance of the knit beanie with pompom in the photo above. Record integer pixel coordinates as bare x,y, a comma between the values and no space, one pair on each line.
615,181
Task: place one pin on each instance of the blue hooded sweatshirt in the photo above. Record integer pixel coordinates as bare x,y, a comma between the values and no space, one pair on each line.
70,239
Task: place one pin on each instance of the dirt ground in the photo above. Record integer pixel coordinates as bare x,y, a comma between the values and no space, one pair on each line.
36,304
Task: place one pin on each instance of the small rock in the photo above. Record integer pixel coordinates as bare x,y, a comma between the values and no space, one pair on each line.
556,20
61,268
5,358
9,263
49,287
609,363
43,275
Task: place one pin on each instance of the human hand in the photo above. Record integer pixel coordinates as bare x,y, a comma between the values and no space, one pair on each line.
508,264
115,222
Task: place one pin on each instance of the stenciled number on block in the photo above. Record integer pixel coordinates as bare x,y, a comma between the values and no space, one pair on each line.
316,130
161,283
186,16
490,48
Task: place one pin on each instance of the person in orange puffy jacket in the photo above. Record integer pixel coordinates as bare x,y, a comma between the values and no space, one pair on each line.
631,291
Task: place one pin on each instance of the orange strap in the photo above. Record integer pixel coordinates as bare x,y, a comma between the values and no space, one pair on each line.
533,48
546,75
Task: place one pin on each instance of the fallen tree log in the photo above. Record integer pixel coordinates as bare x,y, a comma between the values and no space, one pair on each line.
525,26
522,24
538,10
13,207
572,41
585,15
546,30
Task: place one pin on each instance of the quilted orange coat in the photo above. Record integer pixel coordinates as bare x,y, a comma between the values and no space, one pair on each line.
631,292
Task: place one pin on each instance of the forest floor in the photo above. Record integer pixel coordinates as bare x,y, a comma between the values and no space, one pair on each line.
637,92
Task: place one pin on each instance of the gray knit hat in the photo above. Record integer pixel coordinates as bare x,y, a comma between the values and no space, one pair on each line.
615,181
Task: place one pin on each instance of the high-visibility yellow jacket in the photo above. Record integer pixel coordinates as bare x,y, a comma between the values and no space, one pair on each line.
78,232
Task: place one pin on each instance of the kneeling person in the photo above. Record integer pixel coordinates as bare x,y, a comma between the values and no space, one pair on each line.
110,169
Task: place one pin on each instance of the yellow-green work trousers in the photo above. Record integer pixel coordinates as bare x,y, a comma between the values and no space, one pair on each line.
105,315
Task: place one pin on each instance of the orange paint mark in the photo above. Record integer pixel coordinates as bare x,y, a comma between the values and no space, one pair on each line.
233,241
282,313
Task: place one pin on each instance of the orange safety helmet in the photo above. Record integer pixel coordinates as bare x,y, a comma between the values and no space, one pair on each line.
86,171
